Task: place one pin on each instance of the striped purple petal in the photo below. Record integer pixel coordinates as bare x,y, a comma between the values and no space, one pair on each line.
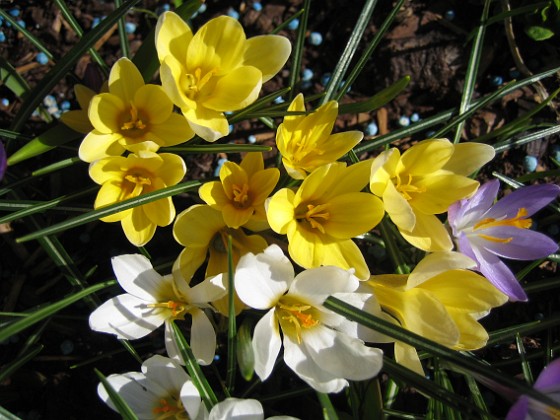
467,212
524,244
532,198
549,378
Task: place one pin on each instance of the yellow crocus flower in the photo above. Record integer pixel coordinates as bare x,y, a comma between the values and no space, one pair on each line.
441,300
215,70
78,119
241,191
423,182
122,178
306,142
322,216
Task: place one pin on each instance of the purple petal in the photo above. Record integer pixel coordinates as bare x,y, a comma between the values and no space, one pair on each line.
532,198
499,274
519,410
549,377
465,247
3,162
467,212
525,244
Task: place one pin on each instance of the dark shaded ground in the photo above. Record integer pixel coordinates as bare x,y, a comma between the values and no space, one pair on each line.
422,43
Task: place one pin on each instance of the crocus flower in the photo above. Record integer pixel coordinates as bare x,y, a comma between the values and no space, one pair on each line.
215,70
152,300
161,390
486,231
127,177
202,231
317,343
439,299
305,141
241,409
78,119
423,182
241,191
322,216
131,116
548,383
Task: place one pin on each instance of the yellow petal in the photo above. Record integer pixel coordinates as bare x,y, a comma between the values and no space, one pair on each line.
280,210
97,145
436,263
236,217
106,112
407,356
353,214
473,335
291,122
268,53
197,225
105,170
153,104
469,157
232,177
426,157
398,208
428,234
83,95
304,247
175,130
347,255
110,193
173,36
189,260
213,194
125,80
262,183
252,163
383,168
77,120
334,147
160,212
235,90
139,230
440,191
206,123
171,73
172,168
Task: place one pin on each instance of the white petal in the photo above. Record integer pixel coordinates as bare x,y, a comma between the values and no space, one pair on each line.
266,344
236,408
170,344
166,373
203,338
137,276
190,398
260,280
126,316
317,284
297,358
132,387
209,290
341,355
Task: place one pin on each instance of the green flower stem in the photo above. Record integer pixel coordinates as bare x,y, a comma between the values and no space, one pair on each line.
232,327
393,250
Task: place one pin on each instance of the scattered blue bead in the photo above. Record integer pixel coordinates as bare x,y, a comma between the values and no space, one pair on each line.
5,102
66,347
315,38
49,100
96,20
42,58
14,12
231,12
306,75
293,25
279,100
2,37
497,80
230,128
65,105
54,111
449,15
325,79
371,129
21,23
252,139
130,27
415,117
163,8
404,121
202,8
219,166
217,357
257,6
530,163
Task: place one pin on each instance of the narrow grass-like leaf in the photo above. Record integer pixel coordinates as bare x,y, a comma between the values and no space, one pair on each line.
377,100
8,369
49,310
506,334
35,96
395,254
30,37
198,378
436,349
56,166
341,67
538,175
287,22
112,209
519,141
476,396
232,327
258,105
527,374
297,51
13,135
123,37
6,415
12,79
442,379
120,404
329,413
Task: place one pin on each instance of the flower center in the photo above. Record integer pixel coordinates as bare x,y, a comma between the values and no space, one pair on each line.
194,82
135,181
407,188
315,215
134,126
177,308
295,316
240,195
519,221
170,408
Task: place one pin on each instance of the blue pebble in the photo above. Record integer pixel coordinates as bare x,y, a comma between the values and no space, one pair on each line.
54,111
49,100
2,37
325,79
449,15
231,12
530,163
42,58
219,166
14,12
404,121
315,38
163,8
65,105
21,23
202,8
497,80
5,101
96,20
66,347
371,129
230,128
293,25
279,100
252,139
306,75
130,27
257,6
415,117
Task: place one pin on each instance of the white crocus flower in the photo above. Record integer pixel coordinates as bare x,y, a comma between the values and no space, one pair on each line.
152,300
319,346
162,390
241,409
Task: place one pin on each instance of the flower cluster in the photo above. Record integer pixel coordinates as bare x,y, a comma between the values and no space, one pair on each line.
314,208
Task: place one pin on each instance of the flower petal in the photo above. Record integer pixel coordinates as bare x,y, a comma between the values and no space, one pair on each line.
106,111
429,234
97,145
317,284
165,372
407,356
125,80
209,124
440,191
191,399
196,226
469,157
160,212
175,130
138,228
136,276
473,334
266,344
280,211
235,90
203,338
353,214
133,388
465,213
398,209
268,53
436,263
426,156
519,244
211,289
549,378
173,36
236,408
531,198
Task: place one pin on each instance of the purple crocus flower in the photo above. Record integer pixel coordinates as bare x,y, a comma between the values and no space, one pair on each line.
548,383
486,232
3,163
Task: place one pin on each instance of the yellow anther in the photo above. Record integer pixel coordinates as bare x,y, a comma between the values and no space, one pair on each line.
240,195
296,316
407,188
135,123
316,215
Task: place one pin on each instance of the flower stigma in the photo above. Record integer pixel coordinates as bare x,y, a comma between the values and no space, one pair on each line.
170,408
134,182
408,188
177,308
135,125
519,221
194,83
294,315
315,216
240,195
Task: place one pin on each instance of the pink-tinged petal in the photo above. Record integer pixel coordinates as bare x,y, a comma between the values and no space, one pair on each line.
549,378
266,344
341,355
260,280
522,244
499,274
136,275
203,338
300,361
465,213
532,198
317,284
126,316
